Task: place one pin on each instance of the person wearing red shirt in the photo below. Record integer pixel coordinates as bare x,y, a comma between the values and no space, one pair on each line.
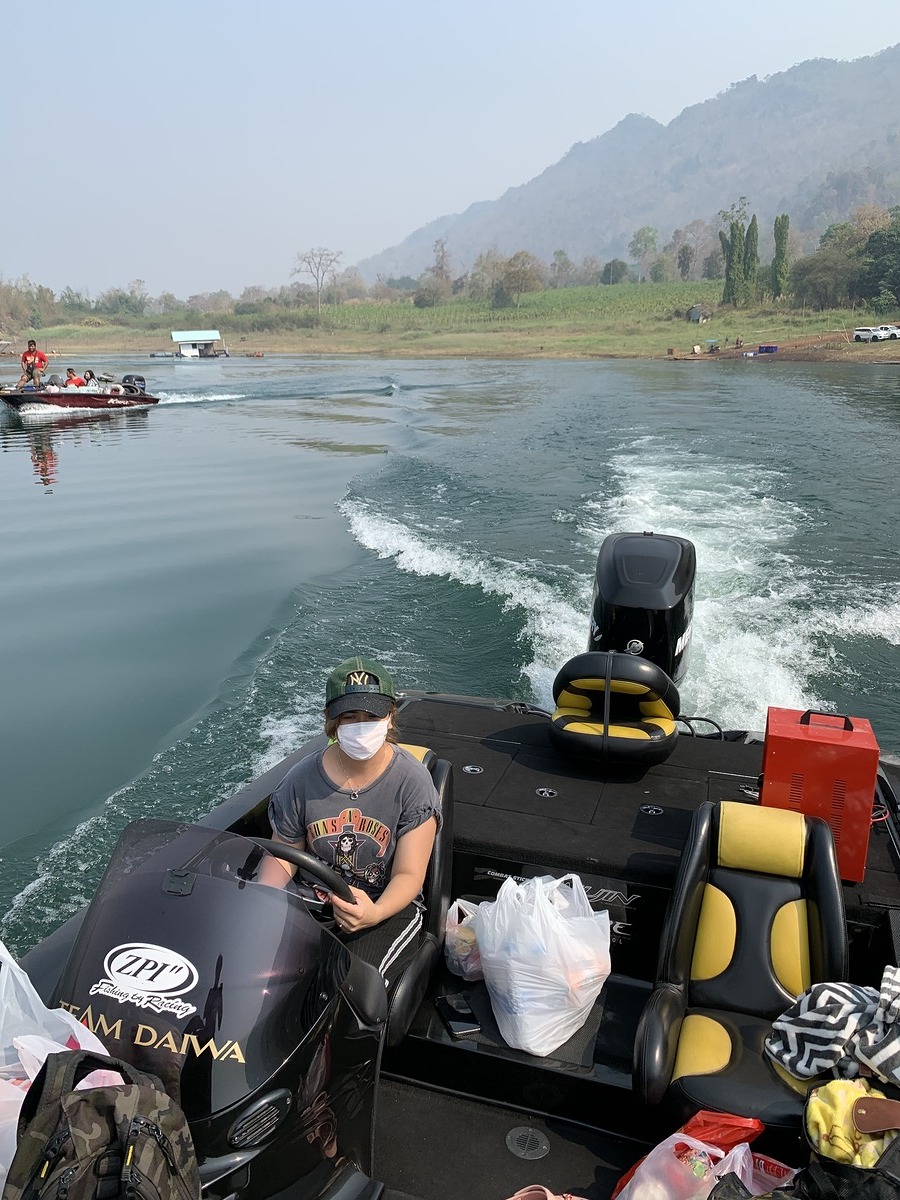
73,380
34,363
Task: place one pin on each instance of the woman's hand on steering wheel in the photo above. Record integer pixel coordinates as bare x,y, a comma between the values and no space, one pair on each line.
355,915
308,865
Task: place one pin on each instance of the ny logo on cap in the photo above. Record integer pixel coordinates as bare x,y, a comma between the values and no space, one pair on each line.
361,679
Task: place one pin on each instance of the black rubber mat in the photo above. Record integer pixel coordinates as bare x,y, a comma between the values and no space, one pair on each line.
578,1050
446,1147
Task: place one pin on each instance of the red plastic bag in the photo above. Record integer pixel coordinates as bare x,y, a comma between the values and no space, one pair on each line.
724,1131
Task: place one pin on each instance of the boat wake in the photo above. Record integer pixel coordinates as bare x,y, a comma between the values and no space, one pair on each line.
194,398
767,624
555,628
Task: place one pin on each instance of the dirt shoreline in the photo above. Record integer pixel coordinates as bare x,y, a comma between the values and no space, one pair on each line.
551,346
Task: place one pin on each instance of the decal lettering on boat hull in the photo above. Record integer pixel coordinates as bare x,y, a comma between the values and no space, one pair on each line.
180,1044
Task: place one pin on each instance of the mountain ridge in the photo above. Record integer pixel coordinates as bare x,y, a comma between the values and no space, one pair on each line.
816,141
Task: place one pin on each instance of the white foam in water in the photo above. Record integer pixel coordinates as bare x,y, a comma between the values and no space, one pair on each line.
193,398
763,629
284,734
881,620
554,627
761,632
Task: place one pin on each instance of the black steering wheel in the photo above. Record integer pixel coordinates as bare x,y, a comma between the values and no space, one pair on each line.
308,864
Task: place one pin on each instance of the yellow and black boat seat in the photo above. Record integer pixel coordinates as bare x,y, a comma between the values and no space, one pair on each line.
755,918
614,707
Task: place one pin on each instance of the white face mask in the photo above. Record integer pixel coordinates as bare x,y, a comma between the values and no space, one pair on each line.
362,739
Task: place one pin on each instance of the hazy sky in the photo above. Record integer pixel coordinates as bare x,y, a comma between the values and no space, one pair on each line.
200,145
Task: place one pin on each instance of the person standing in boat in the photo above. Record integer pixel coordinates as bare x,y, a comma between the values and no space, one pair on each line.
368,809
34,363
73,380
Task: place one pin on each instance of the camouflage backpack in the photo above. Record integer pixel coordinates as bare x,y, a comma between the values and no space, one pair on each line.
102,1143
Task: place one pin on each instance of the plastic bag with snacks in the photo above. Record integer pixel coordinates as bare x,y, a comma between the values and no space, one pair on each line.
460,946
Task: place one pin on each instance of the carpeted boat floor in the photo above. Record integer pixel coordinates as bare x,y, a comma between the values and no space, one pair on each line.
442,1147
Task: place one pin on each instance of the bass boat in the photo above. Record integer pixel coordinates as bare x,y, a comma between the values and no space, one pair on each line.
130,392
737,869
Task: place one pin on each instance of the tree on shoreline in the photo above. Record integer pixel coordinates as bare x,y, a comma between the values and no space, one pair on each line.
780,266
318,262
733,253
615,271
751,261
436,283
642,246
524,272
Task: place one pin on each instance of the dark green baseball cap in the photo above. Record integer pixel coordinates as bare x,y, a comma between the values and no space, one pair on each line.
359,685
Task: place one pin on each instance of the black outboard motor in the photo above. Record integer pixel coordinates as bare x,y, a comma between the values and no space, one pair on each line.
643,599
134,383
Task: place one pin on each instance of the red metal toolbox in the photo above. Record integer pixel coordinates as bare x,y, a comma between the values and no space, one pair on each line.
824,765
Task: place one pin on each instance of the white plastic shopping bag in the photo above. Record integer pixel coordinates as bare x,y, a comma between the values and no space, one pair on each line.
679,1168
460,941
757,1172
29,1031
545,957
684,1168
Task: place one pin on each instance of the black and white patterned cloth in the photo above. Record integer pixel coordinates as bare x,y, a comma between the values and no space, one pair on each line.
841,1029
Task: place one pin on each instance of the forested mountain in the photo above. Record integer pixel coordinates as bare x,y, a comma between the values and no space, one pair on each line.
816,142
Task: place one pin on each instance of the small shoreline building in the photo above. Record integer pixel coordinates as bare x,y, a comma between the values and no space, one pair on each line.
199,343
697,313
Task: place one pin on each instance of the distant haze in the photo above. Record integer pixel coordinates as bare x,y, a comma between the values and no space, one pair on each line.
802,142
199,147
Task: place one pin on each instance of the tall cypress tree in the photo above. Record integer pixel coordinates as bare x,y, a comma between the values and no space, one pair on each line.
780,274
733,249
751,262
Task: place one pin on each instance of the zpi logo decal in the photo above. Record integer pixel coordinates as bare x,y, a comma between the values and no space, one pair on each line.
148,976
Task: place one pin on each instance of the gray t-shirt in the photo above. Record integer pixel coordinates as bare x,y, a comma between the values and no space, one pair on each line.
355,833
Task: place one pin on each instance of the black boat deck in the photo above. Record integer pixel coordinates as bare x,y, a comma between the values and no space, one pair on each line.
524,810
521,809
443,1146
526,805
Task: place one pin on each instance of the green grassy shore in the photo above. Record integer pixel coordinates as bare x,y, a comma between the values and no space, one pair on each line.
622,321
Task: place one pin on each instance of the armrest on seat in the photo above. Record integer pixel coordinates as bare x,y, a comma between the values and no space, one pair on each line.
656,1042
410,990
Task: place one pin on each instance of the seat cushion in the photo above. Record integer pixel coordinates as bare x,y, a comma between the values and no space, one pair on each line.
615,708
721,1065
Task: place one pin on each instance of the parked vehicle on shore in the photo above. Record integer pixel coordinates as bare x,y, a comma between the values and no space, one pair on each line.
870,333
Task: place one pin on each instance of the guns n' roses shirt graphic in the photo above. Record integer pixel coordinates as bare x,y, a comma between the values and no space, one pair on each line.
355,845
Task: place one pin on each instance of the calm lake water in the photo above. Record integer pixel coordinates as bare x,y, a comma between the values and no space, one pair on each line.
175,583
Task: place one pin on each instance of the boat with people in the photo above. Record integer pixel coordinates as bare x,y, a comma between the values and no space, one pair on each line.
738,868
107,393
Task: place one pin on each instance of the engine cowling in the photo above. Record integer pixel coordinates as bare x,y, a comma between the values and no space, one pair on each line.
643,598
